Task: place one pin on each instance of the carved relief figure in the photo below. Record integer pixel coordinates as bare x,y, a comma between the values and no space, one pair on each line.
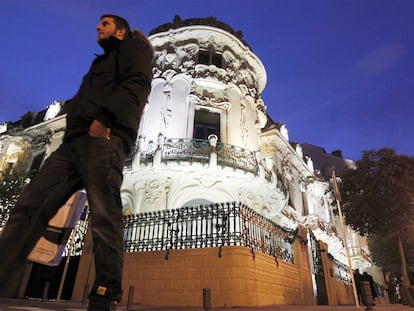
166,111
243,122
186,56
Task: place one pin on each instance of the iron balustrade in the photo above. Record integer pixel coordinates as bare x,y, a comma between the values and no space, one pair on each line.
79,239
192,150
210,225
197,150
200,226
236,157
342,273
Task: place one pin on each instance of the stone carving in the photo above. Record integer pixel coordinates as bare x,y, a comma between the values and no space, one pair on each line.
180,58
261,117
155,193
3,128
53,110
269,148
211,72
233,64
245,77
165,112
186,56
243,122
210,96
209,181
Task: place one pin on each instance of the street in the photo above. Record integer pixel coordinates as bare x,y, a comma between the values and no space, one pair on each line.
37,305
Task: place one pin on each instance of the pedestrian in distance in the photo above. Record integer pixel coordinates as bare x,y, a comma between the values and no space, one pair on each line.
358,285
102,124
368,278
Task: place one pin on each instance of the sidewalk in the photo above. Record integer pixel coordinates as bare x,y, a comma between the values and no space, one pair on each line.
37,305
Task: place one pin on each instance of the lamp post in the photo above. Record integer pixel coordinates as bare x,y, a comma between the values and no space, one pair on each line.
341,220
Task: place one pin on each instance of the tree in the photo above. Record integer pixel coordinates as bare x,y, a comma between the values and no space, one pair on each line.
383,250
378,196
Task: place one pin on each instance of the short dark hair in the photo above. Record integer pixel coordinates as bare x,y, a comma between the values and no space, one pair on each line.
120,22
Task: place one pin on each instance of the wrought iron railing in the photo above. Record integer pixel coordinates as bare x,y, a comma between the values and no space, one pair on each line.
316,264
360,252
211,225
192,150
78,242
236,157
342,273
197,150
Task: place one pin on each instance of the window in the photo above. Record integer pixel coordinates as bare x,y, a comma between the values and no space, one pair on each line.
37,162
210,58
216,60
305,210
291,191
205,124
203,57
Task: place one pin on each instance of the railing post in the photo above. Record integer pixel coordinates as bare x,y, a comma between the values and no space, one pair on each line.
206,298
45,291
213,151
130,297
137,157
258,156
158,151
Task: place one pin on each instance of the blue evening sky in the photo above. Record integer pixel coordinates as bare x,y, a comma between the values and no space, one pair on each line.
340,73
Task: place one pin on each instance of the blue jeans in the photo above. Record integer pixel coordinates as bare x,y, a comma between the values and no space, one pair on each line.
84,162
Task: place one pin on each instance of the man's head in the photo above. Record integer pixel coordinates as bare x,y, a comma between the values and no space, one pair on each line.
112,25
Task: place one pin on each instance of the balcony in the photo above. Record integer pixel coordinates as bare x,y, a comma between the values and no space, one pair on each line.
208,153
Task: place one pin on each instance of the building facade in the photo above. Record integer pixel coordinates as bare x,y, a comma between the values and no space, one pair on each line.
220,206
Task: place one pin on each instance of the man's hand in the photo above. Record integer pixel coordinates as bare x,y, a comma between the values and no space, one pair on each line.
97,129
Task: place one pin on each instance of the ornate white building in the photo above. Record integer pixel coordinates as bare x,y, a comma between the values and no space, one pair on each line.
205,138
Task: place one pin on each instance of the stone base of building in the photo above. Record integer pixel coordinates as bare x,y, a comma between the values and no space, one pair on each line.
234,276
345,294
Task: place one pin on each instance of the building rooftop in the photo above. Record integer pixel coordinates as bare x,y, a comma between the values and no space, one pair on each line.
208,21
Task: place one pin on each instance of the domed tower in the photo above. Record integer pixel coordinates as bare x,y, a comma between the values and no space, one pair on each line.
206,81
199,135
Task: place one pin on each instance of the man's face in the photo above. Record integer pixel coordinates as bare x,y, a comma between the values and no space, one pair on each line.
107,28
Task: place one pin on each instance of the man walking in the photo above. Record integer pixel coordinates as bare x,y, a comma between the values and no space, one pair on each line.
102,124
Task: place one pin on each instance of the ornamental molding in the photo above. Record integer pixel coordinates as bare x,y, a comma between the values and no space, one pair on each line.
209,102
177,49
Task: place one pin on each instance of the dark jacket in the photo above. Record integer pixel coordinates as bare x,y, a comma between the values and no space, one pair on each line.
114,91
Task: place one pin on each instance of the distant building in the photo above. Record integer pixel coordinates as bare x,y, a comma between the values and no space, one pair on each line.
215,195
325,162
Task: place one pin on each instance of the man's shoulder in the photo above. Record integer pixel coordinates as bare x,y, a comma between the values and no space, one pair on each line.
134,44
137,51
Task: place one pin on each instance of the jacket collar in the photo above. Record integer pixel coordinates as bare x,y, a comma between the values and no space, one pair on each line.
110,44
